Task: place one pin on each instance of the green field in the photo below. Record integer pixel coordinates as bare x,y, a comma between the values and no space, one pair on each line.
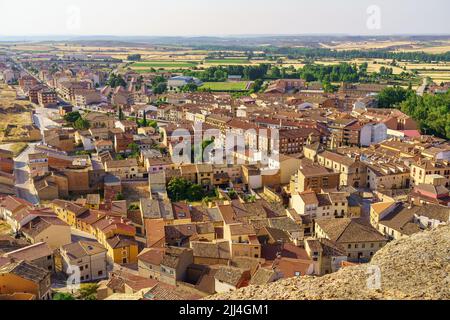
225,86
228,61
163,64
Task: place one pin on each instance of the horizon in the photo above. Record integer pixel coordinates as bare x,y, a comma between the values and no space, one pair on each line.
202,18
138,38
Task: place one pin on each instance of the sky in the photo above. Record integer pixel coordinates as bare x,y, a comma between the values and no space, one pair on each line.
222,17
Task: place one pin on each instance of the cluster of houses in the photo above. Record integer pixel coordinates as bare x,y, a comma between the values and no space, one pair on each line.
347,178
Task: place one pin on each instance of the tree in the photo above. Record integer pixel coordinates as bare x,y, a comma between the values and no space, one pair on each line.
133,207
88,291
121,115
120,197
153,124
328,87
144,120
116,81
190,87
391,96
63,296
257,85
81,124
180,189
250,198
199,150
134,57
72,116
432,112
232,194
134,150
274,73
194,193
177,188
160,88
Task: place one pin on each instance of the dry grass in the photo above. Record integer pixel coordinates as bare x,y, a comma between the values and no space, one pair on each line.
8,98
402,46
12,111
366,45
16,147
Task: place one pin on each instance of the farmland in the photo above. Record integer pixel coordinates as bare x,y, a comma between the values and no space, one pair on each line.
225,86
163,64
227,61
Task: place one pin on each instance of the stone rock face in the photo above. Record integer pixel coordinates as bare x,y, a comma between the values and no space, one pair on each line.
417,267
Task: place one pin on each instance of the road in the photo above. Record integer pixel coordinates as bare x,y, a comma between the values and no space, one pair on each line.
42,118
24,188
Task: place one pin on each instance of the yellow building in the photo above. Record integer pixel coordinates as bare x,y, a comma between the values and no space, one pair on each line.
117,236
67,211
25,277
122,249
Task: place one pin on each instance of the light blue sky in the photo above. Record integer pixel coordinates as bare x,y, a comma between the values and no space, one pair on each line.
220,17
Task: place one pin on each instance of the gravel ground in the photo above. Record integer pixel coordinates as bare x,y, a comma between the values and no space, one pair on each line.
417,267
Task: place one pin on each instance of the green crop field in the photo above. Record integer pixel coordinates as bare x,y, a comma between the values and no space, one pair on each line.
163,64
228,61
225,86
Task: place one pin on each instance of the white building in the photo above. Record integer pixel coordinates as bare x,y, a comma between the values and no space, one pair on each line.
373,133
180,81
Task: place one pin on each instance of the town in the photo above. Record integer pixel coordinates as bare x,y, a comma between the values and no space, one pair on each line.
154,173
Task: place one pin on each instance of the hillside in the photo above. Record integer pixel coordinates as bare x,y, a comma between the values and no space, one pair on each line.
412,268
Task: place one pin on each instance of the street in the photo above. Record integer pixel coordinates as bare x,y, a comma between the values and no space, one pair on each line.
42,118
23,184
24,188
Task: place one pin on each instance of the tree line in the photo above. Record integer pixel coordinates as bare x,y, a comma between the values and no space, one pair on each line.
317,53
432,112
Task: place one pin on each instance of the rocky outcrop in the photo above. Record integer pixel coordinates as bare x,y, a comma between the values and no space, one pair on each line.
417,267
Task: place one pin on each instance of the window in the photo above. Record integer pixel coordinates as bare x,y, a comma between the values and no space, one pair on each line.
297,274
100,273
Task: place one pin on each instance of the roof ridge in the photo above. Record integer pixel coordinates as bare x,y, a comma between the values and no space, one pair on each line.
349,222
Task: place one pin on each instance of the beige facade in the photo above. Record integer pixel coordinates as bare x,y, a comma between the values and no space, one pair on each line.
388,177
351,172
89,257
420,171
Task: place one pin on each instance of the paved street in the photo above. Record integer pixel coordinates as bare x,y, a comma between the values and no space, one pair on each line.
24,187
23,184
42,118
